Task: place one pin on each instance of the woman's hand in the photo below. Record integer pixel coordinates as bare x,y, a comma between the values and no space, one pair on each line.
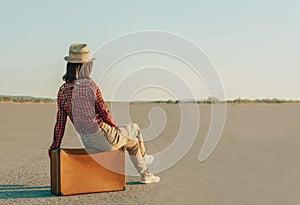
49,152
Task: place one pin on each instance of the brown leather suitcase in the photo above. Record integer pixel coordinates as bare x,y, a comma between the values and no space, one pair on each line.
79,171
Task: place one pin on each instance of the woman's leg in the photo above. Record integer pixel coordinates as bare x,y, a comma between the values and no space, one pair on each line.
130,137
133,148
127,136
133,131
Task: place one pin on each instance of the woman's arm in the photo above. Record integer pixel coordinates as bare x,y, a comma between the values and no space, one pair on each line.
61,119
103,110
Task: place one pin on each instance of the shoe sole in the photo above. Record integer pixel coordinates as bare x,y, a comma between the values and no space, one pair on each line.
148,182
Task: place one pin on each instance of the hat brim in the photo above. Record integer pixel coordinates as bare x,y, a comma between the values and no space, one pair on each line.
68,59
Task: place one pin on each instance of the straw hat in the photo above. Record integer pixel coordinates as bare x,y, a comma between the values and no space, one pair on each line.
79,53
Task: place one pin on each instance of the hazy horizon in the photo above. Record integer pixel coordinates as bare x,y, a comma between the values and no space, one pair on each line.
157,100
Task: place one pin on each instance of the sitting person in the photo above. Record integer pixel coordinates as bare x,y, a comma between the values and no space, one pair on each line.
80,98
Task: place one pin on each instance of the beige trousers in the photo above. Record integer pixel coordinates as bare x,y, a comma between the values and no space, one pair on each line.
109,138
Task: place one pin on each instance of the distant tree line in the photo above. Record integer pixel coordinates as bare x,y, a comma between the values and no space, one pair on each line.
25,99
267,100
209,100
214,100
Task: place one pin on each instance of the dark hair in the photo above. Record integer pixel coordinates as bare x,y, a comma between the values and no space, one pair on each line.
72,68
83,70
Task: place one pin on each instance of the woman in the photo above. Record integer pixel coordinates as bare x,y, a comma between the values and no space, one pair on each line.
80,99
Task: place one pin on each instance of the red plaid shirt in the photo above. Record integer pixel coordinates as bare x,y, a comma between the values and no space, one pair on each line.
82,101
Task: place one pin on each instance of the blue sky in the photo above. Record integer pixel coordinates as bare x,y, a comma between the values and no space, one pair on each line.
253,44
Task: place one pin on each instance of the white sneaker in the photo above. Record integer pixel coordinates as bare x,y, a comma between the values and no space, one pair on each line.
148,159
148,177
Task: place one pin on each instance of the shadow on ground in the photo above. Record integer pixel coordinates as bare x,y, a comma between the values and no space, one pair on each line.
13,191
133,183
